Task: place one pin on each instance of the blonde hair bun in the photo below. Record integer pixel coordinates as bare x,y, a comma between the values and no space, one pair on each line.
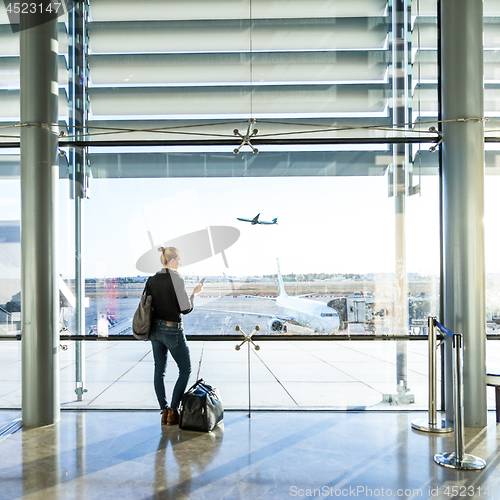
167,254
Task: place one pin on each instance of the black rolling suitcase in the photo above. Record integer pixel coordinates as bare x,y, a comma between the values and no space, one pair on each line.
201,408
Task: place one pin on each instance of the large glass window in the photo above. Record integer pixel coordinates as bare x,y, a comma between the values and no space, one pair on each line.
165,94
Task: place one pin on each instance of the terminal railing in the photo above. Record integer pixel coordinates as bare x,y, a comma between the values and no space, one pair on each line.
457,459
231,337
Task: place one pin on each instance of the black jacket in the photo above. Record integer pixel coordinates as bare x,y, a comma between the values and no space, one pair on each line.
170,298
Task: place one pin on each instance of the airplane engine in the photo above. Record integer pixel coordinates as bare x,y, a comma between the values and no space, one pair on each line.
276,325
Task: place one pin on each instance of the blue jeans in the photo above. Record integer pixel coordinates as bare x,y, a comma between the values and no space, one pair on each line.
164,339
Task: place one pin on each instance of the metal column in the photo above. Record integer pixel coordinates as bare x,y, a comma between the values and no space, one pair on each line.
39,184
400,116
78,115
463,198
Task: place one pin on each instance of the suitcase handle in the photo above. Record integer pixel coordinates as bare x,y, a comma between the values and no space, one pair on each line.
200,383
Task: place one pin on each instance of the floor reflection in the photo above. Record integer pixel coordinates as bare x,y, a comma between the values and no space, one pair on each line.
192,451
41,460
273,455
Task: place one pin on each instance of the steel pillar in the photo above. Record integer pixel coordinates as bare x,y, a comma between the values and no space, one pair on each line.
78,118
400,115
39,199
462,199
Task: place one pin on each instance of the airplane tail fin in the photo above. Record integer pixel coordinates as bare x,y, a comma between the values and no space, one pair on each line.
282,291
275,221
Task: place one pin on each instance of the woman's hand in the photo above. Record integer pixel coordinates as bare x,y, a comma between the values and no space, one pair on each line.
197,289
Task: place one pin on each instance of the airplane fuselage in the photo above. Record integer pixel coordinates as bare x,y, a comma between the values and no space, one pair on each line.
310,313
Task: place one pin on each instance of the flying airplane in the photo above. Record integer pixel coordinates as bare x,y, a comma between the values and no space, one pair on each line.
256,220
306,312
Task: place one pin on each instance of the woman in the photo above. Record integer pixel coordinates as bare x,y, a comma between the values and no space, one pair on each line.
170,300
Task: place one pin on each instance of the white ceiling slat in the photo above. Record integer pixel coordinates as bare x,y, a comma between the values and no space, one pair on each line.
9,41
491,8
157,37
492,35
210,69
10,105
10,77
4,17
186,10
233,101
427,36
427,8
9,73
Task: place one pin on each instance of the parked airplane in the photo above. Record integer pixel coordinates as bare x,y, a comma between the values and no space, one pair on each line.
241,279
306,312
256,220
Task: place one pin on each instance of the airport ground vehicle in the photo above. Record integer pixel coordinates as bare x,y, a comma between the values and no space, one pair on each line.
351,310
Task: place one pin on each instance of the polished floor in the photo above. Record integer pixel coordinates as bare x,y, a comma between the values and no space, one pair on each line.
272,455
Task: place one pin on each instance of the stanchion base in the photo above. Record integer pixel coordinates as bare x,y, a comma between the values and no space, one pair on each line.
468,462
440,426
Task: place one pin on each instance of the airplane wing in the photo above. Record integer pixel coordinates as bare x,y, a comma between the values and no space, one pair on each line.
243,313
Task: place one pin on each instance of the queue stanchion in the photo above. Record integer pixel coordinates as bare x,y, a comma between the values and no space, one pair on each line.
458,459
247,339
433,423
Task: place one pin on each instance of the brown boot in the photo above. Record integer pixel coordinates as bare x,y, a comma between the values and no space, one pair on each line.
164,416
172,417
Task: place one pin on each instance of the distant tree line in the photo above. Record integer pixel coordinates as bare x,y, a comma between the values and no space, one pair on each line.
317,276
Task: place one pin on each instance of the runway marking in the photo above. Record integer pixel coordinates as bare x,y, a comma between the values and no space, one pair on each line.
120,377
277,379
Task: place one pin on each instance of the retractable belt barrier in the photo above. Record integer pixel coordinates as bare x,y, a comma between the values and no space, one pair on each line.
457,459
432,424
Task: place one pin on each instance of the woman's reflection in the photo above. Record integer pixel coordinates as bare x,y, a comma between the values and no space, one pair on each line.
193,452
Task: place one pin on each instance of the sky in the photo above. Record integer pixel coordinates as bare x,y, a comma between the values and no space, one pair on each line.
325,224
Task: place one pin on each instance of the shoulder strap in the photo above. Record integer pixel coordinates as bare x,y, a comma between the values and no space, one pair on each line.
144,292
